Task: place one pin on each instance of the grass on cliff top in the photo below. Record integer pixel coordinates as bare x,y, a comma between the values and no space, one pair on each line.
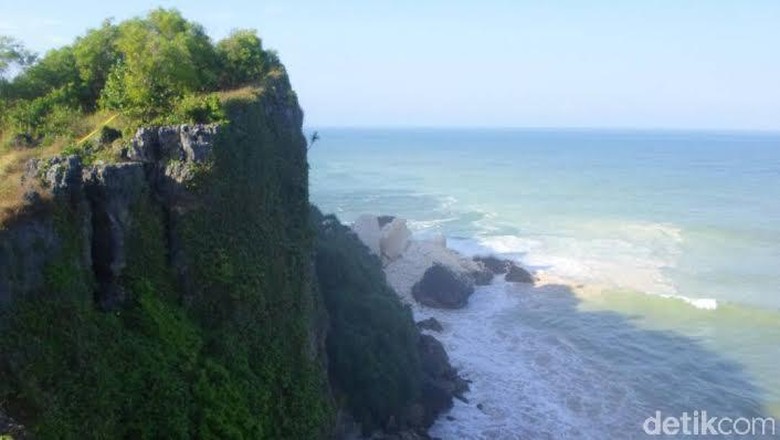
243,94
226,356
12,163
158,69
14,159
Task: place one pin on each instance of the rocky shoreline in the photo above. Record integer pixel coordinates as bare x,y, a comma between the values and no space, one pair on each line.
427,274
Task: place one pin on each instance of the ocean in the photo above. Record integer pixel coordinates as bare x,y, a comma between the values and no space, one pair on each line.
664,248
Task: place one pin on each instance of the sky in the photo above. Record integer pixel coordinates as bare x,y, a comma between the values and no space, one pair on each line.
694,64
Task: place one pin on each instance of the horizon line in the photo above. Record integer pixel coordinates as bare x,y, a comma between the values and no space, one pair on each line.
764,131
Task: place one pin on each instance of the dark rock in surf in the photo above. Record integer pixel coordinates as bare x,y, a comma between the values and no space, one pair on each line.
384,220
482,276
442,288
494,264
517,274
431,324
441,381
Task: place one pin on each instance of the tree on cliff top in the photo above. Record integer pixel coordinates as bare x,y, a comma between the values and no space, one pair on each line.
161,58
143,67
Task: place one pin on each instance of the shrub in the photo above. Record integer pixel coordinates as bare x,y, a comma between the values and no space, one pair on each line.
182,61
150,69
198,109
371,344
48,115
108,135
242,58
95,55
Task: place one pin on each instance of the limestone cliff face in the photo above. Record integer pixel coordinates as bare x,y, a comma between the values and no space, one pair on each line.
187,291
177,282
161,161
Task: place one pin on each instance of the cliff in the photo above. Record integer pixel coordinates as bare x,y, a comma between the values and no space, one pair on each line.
187,291
170,294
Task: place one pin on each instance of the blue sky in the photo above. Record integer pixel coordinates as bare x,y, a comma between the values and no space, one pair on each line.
490,63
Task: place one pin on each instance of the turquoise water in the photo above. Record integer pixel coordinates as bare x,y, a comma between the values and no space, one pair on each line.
672,237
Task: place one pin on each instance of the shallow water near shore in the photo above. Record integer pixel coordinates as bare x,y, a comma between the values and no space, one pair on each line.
660,250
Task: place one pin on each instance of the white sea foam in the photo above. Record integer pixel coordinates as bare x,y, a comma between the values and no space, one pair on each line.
699,303
448,202
422,225
531,383
629,255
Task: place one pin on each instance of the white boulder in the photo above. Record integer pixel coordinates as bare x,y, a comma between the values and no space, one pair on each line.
395,239
406,260
403,273
367,229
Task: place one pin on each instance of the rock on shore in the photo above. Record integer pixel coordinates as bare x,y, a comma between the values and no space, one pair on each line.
426,271
443,288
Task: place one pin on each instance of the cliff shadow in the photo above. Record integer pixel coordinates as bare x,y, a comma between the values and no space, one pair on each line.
562,371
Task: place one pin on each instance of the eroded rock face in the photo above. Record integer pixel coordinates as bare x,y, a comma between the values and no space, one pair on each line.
27,246
441,382
406,271
517,274
192,143
405,260
441,287
482,275
496,265
63,174
431,324
512,271
159,162
112,190
59,175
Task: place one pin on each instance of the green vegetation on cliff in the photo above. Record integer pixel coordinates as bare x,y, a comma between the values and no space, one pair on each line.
159,69
157,295
372,341
144,68
216,344
224,356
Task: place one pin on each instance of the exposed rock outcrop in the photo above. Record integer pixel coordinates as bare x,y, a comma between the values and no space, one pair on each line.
28,246
406,260
395,239
482,275
189,143
512,271
517,274
406,271
496,265
441,381
104,232
385,236
442,287
111,190
160,161
431,324
368,230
